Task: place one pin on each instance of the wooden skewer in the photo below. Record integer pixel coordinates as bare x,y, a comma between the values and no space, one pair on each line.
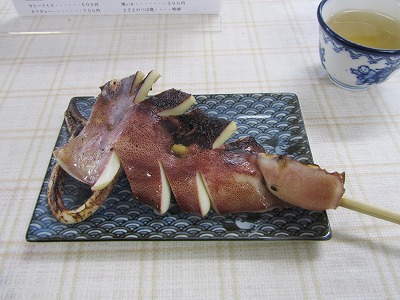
372,210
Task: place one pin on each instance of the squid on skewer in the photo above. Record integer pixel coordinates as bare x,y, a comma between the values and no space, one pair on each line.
165,150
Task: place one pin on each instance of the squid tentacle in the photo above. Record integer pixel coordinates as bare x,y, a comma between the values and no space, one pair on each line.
69,216
75,122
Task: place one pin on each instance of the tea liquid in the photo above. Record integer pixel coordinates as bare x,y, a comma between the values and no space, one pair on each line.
367,28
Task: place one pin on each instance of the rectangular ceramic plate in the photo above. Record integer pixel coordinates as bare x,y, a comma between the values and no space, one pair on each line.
275,121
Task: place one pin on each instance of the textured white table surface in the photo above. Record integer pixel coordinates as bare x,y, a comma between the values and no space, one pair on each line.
258,46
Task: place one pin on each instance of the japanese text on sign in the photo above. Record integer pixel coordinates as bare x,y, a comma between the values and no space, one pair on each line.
99,7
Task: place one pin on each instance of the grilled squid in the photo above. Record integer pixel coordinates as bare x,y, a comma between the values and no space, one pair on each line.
165,150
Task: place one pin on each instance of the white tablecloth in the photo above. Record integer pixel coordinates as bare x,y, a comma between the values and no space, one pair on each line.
255,46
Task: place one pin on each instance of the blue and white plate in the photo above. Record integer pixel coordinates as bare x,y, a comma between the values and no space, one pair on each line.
275,121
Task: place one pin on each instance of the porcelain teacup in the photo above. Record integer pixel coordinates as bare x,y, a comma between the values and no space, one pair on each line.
350,65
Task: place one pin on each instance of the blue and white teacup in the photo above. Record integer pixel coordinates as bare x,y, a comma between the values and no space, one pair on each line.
352,66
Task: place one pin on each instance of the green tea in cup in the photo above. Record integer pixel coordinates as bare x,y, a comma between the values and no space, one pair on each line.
367,28
359,41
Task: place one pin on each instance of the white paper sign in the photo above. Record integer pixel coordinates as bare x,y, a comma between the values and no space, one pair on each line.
112,7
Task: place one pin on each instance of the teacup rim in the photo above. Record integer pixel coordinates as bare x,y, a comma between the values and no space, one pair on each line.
325,26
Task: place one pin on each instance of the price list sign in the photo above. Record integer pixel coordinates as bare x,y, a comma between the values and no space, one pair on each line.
111,7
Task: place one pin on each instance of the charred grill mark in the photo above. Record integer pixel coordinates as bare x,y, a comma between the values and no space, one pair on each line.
248,144
168,99
195,127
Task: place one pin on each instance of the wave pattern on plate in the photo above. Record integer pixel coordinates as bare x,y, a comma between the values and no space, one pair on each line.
273,119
